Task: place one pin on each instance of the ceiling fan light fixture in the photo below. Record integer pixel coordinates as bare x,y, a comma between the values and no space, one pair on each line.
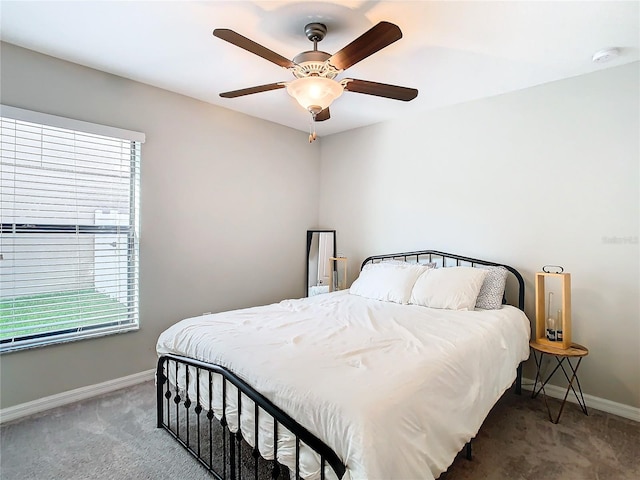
315,87
314,92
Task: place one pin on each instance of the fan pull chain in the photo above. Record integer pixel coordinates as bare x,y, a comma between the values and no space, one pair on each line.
312,126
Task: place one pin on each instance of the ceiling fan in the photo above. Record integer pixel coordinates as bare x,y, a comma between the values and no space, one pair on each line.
315,86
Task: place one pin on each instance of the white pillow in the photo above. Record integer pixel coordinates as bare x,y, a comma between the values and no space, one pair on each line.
453,288
387,281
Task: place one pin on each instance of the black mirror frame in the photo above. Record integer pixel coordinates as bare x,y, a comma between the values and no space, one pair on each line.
309,238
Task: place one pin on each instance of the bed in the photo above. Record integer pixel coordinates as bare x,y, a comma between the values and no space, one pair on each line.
389,379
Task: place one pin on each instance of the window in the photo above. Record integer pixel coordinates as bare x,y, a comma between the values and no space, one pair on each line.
69,223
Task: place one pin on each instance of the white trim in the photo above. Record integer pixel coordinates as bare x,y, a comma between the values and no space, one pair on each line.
70,124
42,404
620,409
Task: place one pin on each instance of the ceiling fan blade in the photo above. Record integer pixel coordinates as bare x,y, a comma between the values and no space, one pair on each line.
253,47
251,90
381,89
323,115
378,37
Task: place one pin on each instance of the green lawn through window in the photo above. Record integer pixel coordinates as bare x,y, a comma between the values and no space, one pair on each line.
32,314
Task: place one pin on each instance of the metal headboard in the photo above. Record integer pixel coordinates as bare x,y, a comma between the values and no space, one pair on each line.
449,260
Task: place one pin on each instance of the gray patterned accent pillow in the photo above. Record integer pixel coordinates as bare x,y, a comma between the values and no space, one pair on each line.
492,290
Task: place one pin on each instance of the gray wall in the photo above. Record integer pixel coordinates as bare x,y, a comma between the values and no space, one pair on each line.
226,200
547,175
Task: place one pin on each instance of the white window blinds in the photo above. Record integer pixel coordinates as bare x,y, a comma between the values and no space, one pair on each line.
69,216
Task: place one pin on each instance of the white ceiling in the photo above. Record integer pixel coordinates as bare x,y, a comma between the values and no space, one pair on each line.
451,51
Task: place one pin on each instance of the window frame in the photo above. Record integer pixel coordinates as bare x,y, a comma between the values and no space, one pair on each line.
131,229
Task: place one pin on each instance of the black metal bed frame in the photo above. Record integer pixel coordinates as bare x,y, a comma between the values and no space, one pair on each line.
225,454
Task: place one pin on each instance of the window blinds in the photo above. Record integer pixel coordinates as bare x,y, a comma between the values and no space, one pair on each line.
69,216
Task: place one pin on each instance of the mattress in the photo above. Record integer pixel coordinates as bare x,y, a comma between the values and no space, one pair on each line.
395,390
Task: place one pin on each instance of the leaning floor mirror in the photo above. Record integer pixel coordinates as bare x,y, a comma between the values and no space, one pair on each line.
321,246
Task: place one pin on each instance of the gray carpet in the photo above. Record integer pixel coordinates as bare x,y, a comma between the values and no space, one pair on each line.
114,437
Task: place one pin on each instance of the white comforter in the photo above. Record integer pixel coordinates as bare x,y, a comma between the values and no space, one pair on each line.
395,390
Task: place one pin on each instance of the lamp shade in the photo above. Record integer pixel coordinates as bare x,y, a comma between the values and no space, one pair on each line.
315,92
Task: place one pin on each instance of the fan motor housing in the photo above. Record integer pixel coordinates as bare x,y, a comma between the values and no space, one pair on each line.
313,63
311,56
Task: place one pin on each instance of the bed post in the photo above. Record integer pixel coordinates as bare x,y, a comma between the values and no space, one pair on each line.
160,379
519,379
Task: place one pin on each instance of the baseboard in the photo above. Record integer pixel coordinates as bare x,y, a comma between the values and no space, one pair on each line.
620,409
42,404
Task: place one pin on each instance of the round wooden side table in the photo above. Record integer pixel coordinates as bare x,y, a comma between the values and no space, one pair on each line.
562,356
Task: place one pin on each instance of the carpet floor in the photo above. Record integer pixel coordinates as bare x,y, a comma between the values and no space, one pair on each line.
114,437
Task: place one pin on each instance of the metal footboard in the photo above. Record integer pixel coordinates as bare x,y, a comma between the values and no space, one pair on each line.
186,408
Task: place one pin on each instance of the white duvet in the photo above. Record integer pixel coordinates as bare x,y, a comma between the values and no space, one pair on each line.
395,390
